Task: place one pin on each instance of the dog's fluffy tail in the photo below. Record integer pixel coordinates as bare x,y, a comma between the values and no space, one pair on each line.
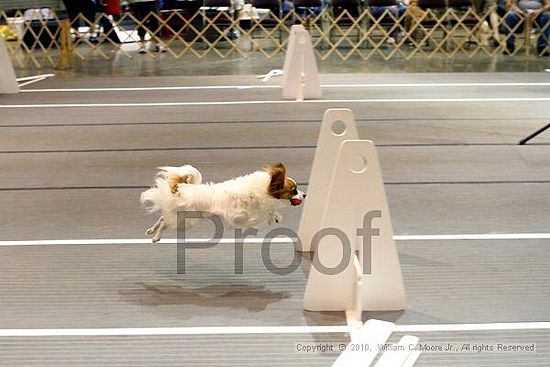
163,196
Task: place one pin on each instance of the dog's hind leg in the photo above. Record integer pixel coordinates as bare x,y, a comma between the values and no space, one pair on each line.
159,232
157,229
156,226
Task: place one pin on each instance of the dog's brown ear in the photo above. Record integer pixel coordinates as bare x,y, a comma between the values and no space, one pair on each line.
277,183
174,181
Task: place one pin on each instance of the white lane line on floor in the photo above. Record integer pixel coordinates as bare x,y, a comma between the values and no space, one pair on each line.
487,236
145,241
135,241
237,103
225,330
336,86
221,330
140,89
499,326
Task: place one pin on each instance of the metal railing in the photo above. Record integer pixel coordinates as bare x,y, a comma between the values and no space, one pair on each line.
425,33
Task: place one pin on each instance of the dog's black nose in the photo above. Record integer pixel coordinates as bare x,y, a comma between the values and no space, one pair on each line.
305,196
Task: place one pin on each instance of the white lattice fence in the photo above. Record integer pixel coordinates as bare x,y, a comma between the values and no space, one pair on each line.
40,42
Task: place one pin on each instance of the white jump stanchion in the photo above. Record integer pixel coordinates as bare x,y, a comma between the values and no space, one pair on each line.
8,80
405,353
356,211
372,334
371,340
300,74
338,125
411,359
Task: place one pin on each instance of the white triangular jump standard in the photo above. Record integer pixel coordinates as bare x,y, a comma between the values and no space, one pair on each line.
8,81
356,266
338,125
300,74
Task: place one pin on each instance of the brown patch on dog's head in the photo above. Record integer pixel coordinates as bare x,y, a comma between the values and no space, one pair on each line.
280,186
175,180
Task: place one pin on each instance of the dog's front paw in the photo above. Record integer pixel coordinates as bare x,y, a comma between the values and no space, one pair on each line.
155,239
150,230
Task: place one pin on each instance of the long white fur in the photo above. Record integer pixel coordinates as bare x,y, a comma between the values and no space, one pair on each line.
241,202
160,197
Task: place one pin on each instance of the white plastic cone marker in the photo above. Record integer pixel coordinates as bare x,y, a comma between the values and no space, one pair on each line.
404,352
373,333
356,215
8,81
300,73
338,125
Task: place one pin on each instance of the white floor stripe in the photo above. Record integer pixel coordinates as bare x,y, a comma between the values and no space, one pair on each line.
475,327
175,331
437,85
225,330
328,101
280,240
139,89
489,236
133,241
222,87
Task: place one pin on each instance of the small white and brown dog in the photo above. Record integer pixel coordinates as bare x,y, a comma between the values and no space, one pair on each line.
243,202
